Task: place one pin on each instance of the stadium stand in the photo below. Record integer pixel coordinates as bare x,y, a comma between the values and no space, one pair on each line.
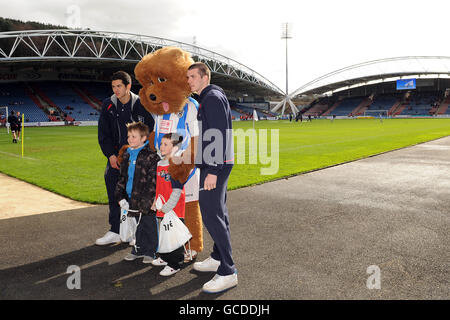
250,110
99,91
62,96
420,103
346,106
87,97
235,114
443,108
81,101
14,96
381,104
362,107
412,103
317,110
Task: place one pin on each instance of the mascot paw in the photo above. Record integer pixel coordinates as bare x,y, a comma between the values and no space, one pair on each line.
179,171
121,152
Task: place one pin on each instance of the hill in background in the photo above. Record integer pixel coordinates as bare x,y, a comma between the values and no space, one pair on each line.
7,24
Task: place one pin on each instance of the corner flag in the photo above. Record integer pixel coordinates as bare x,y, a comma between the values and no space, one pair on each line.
23,121
255,115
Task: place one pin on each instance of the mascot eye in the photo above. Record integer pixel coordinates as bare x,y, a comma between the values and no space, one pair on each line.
161,79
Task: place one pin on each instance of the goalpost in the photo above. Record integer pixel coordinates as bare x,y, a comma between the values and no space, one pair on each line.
376,113
4,112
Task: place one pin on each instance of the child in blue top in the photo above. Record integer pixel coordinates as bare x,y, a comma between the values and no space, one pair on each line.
136,189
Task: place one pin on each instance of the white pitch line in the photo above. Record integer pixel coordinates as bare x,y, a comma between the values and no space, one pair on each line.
17,156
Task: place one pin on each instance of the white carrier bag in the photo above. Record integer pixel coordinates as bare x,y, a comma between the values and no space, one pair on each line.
173,233
127,226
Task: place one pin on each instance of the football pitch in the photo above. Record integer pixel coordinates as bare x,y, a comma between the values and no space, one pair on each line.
69,162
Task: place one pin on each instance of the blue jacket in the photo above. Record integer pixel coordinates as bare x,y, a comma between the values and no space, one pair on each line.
112,131
214,113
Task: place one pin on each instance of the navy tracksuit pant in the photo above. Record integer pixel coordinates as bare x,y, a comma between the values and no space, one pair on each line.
215,219
146,236
111,178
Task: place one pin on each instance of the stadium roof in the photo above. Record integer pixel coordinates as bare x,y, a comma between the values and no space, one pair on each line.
376,71
111,51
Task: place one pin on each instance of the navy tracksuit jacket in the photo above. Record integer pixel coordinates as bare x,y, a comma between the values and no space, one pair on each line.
215,113
112,135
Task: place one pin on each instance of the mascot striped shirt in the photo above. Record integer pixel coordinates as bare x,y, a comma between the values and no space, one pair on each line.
184,123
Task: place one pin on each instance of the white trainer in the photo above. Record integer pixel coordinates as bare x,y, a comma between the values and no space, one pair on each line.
207,265
168,271
132,257
159,262
109,238
148,259
220,283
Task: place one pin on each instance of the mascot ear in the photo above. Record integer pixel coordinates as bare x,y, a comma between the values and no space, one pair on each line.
179,172
151,141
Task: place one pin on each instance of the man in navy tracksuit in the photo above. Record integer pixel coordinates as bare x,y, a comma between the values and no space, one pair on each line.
121,108
214,116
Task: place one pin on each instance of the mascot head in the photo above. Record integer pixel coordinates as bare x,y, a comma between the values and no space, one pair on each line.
162,75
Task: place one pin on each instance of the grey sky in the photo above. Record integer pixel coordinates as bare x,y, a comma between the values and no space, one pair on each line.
327,35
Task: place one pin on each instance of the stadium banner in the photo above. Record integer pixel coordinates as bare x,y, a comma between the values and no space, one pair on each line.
406,84
44,124
257,105
85,123
60,123
425,83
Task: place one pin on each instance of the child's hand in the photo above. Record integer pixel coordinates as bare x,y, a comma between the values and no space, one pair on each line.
124,204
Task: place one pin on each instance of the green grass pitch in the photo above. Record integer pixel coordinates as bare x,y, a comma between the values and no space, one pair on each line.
68,160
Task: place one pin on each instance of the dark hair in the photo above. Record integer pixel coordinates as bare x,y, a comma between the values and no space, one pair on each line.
202,68
175,138
121,75
139,126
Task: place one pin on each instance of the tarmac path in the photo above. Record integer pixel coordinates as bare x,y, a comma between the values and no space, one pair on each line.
326,234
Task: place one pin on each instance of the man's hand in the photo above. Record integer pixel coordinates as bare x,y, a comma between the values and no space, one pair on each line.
113,162
210,182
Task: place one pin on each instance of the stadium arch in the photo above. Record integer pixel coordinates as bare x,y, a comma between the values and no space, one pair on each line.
376,71
376,77
40,56
106,50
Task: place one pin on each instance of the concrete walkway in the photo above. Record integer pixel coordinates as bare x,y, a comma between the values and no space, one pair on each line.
25,199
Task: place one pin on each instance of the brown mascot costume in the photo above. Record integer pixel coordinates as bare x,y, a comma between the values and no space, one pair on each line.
166,94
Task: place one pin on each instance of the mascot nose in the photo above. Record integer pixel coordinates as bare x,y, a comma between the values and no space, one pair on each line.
152,97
